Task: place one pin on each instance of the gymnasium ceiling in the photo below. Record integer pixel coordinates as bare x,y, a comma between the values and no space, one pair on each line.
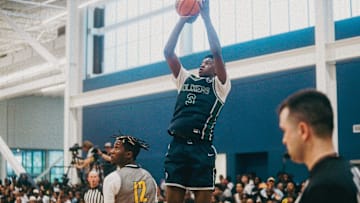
41,19
31,25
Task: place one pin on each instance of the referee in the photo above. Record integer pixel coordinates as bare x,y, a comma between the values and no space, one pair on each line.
94,193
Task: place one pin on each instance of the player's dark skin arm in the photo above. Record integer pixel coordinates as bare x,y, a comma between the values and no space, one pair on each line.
214,42
169,50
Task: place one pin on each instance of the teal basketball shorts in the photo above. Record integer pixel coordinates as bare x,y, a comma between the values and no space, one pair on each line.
190,164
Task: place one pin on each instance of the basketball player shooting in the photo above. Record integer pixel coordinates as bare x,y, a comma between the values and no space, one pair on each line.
190,160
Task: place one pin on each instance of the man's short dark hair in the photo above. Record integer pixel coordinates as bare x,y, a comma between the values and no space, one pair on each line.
209,56
312,107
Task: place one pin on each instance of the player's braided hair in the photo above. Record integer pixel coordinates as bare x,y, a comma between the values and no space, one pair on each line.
132,143
127,139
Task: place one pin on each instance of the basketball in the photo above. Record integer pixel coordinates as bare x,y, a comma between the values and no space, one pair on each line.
187,7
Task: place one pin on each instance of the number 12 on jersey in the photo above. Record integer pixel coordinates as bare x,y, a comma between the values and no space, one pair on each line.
139,192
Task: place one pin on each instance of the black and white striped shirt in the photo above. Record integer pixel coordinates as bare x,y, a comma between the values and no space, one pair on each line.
94,195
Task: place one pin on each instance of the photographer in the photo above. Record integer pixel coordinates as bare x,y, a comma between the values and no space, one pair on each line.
108,167
92,155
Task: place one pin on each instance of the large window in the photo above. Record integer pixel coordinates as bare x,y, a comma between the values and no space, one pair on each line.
135,30
56,164
35,162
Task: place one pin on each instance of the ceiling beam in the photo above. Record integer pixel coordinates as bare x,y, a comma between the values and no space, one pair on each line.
36,6
30,86
31,73
28,75
22,15
5,50
42,51
43,4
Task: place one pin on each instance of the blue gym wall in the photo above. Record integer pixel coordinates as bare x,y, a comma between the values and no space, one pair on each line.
348,83
247,129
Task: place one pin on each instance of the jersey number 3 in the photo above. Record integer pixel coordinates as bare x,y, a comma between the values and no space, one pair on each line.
139,192
190,99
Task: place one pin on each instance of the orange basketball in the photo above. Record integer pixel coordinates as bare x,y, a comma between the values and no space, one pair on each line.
187,7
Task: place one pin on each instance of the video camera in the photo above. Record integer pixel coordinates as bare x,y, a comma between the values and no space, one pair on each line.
75,152
95,150
75,147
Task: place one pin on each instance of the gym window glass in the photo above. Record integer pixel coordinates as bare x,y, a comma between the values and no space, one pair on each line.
135,30
56,162
36,161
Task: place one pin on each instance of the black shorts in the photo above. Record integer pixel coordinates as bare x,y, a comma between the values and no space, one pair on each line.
190,164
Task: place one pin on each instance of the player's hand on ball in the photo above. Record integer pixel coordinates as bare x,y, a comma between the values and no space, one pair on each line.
204,7
190,19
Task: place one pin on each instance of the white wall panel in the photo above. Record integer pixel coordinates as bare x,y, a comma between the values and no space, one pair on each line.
35,123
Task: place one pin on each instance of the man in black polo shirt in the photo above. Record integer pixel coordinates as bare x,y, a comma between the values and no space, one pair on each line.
306,119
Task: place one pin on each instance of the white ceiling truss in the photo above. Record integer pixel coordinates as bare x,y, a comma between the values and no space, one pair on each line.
30,17
32,45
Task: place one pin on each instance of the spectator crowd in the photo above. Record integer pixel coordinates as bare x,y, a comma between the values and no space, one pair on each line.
247,188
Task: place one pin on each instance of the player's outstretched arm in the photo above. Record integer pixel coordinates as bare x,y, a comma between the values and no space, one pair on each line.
214,41
169,50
